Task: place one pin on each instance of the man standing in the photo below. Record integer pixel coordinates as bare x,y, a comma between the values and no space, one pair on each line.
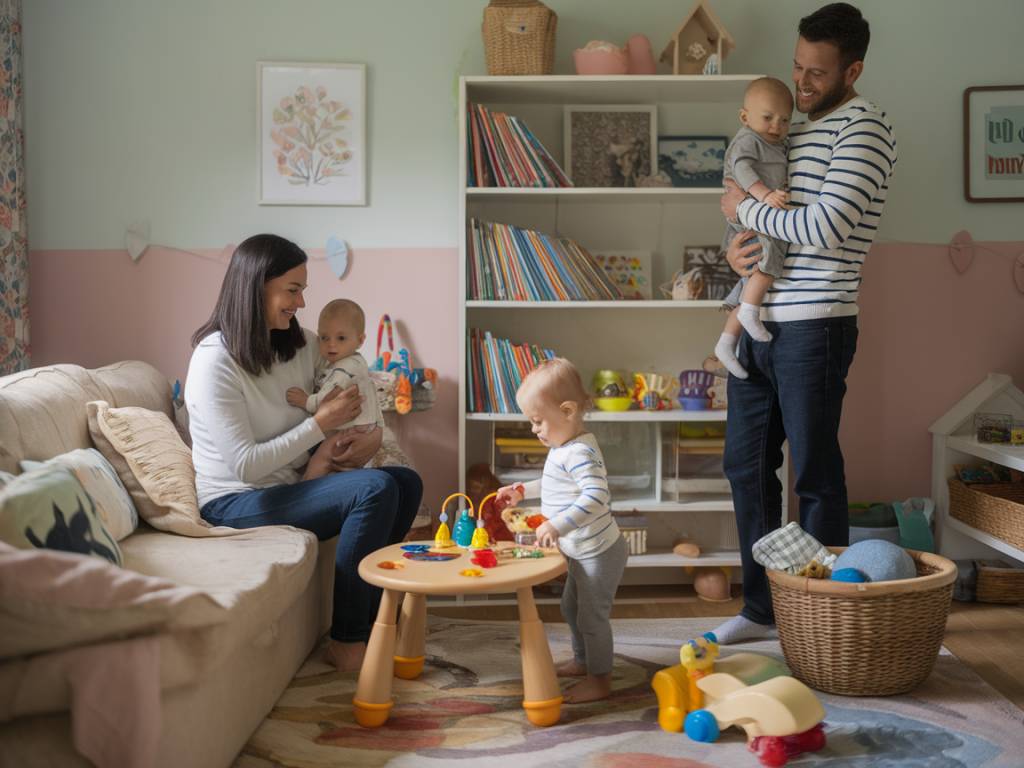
840,162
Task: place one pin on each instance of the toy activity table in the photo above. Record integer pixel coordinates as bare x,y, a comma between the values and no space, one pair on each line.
399,650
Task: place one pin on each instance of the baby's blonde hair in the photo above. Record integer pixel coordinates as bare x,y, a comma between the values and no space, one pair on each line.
771,86
345,308
554,381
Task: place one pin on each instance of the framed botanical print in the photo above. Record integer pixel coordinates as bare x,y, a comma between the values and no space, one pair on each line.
312,122
994,144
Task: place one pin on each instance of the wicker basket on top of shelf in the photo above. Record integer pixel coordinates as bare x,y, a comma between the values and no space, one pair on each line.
996,509
874,639
519,37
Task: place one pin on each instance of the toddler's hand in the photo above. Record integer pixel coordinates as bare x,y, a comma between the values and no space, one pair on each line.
547,534
296,397
778,198
509,495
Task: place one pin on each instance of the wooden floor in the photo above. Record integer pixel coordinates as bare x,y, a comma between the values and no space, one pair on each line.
988,638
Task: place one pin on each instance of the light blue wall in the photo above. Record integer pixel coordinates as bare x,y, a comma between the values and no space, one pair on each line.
146,109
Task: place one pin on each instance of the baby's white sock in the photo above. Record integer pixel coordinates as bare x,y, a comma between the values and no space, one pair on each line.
725,351
750,318
739,628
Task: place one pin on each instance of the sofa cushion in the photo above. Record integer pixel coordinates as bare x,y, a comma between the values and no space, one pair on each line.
49,508
113,504
42,410
153,463
51,600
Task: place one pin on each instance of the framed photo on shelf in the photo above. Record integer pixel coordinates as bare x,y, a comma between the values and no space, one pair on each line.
692,161
629,271
610,146
312,124
718,275
994,144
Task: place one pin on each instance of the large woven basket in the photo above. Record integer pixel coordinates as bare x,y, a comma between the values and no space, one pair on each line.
519,37
997,509
875,639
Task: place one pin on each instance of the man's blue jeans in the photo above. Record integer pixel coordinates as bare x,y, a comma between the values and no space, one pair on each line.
795,391
369,508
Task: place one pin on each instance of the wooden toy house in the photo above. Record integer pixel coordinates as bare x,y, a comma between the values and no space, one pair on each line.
700,35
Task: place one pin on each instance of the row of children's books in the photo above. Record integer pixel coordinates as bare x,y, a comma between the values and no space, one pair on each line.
496,369
507,263
503,153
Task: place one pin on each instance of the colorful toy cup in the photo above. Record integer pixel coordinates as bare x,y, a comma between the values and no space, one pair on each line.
693,389
609,385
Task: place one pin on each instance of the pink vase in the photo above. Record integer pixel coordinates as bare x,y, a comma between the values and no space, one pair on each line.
641,59
600,61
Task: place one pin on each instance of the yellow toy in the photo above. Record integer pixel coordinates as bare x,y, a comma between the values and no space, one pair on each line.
672,684
698,658
480,538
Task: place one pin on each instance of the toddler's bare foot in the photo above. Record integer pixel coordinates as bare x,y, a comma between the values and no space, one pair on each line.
593,688
347,657
571,668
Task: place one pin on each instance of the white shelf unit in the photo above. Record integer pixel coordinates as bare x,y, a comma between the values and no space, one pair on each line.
650,335
954,442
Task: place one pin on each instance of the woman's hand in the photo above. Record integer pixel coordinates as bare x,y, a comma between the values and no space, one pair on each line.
353,449
743,258
338,407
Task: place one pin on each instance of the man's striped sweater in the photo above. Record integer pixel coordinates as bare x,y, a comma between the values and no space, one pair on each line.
839,170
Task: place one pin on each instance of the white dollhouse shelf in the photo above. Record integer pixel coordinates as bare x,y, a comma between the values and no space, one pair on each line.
954,442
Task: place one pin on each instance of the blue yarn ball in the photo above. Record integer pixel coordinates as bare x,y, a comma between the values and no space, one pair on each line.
851,575
878,560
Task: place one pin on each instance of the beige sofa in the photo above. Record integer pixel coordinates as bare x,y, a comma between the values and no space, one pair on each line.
217,682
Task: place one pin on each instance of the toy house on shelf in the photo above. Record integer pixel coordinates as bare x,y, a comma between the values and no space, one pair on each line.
700,36
975,519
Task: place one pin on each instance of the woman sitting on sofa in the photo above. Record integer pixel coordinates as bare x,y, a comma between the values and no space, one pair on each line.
251,449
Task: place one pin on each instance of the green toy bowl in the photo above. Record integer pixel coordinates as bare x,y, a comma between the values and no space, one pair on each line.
613,403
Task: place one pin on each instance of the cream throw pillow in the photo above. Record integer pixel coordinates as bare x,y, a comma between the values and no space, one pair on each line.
154,464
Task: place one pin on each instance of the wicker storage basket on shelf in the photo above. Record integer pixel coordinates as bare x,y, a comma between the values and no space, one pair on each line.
874,639
999,582
519,37
996,509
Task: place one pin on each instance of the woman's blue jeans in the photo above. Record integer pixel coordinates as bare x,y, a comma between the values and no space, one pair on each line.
366,508
794,392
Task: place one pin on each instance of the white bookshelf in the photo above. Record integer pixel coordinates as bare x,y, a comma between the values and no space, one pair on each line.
954,442
650,335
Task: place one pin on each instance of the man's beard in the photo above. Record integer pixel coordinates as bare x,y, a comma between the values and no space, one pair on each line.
828,100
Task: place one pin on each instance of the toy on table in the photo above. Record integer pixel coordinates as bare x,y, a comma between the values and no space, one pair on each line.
443,537
698,658
471,572
430,557
781,717
466,534
485,558
672,684
391,565
652,391
693,390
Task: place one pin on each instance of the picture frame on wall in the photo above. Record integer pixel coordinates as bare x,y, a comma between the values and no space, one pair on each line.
610,145
312,124
630,271
718,277
994,144
693,161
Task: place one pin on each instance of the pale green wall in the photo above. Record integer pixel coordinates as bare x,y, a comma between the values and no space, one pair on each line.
146,109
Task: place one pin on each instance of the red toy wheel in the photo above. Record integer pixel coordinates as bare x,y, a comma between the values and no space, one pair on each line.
771,751
812,739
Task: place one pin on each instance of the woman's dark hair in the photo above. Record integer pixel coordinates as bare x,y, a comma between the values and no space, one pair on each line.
239,314
842,25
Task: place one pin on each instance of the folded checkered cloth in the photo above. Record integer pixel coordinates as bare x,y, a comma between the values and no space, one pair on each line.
789,549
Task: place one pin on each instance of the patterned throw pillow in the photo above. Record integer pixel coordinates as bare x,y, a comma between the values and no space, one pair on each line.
47,508
100,481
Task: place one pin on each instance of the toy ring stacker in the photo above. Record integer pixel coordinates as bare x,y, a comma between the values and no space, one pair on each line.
443,537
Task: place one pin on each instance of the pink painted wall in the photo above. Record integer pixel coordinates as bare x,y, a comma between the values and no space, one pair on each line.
928,336
96,307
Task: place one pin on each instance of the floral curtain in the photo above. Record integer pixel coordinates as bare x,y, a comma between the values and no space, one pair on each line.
14,350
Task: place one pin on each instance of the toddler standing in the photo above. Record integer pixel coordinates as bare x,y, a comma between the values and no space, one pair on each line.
575,499
756,160
342,330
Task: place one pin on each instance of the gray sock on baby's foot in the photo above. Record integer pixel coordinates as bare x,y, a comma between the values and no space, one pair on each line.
740,629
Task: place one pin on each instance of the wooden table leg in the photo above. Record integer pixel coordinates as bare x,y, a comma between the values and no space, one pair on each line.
542,698
412,630
372,702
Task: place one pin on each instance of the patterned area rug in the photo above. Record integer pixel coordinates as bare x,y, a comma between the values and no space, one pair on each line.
466,706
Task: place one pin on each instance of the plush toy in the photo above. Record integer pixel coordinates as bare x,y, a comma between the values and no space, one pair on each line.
480,483
521,519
